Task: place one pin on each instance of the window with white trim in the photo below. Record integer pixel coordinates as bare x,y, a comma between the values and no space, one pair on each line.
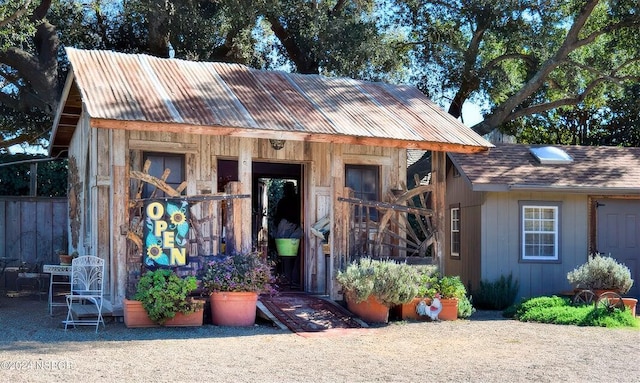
539,231
455,232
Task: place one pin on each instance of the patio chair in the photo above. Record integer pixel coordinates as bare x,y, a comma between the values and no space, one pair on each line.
85,300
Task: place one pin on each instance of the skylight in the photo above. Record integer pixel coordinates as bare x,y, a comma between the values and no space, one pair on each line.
549,155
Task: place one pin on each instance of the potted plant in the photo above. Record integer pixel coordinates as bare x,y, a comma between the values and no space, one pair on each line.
428,275
371,287
287,238
163,298
233,283
446,293
601,273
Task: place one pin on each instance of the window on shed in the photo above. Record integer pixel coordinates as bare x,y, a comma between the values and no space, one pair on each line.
539,234
365,182
160,162
455,231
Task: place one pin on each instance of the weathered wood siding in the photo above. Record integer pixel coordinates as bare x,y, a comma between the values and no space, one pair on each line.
501,242
112,153
33,228
467,266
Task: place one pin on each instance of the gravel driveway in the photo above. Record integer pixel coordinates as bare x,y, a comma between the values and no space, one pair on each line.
35,348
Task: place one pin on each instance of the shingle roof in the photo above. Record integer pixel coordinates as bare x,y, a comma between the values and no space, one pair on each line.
595,169
232,99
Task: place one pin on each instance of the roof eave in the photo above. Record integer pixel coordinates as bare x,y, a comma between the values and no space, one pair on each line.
172,127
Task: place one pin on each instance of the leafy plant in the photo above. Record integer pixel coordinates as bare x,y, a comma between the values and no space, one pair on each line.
465,307
601,273
451,287
246,272
163,294
390,282
559,310
496,295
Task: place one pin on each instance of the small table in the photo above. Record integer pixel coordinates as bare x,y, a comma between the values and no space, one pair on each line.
63,273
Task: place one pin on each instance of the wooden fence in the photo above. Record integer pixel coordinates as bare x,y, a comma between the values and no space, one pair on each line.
32,228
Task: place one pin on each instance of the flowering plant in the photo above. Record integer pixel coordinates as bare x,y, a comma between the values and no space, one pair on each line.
239,273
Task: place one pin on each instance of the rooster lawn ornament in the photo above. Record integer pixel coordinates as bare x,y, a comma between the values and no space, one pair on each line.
431,310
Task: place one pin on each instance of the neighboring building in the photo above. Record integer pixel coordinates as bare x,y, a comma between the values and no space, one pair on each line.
211,123
539,217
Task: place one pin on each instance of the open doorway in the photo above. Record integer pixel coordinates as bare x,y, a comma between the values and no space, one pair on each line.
277,221
277,209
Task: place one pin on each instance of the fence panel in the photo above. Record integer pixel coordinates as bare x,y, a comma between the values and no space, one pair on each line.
33,228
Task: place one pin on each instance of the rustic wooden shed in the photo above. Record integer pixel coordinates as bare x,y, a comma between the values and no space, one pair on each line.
215,122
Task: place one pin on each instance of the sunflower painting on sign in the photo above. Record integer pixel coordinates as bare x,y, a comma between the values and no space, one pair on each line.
165,231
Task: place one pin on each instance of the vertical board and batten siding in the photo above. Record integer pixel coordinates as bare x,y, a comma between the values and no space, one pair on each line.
113,152
501,242
467,266
32,229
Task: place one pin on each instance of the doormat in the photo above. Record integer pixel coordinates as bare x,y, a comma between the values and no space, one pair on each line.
303,313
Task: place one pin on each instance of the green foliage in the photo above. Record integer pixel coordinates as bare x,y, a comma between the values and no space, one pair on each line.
390,282
601,273
15,179
451,287
163,294
245,272
465,307
559,310
496,295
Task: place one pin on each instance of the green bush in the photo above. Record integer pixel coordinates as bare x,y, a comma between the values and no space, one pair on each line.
390,282
496,295
559,310
465,307
163,294
601,273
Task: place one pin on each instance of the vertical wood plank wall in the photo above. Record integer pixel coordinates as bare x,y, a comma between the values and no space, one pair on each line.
113,153
501,241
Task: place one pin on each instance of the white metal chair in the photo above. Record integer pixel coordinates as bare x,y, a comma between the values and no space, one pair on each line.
85,300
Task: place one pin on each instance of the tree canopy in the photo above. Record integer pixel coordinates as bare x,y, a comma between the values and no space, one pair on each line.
533,65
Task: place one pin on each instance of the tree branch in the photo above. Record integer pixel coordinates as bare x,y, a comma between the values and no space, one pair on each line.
18,13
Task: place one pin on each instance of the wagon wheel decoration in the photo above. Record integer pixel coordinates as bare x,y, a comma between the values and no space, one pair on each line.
610,301
584,297
412,232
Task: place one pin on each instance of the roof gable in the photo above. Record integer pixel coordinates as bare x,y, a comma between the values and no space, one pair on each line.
142,92
594,169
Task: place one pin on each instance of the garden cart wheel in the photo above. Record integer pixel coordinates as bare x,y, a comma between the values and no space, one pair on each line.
610,300
584,297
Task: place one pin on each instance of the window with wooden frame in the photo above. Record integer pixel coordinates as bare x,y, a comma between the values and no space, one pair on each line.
455,231
160,162
539,231
365,182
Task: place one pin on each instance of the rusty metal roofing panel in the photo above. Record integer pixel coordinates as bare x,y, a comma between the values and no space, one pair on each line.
126,87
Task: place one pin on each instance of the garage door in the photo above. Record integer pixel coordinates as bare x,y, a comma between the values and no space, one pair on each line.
619,234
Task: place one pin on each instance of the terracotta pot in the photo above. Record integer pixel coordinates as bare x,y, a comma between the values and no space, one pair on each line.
630,303
233,308
65,260
449,309
369,310
407,311
136,316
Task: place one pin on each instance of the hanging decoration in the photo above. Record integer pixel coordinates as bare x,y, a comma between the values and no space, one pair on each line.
166,233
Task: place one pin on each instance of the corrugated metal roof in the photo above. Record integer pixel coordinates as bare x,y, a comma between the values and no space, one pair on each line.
126,87
602,169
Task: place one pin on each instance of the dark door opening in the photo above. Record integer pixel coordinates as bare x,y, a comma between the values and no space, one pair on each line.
270,208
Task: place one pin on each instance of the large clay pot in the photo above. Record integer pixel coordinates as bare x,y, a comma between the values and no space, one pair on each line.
407,311
136,316
233,308
369,310
449,309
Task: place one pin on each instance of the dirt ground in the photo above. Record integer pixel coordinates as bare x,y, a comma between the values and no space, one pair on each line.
487,348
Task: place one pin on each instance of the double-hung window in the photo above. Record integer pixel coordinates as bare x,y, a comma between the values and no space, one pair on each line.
539,233
455,231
